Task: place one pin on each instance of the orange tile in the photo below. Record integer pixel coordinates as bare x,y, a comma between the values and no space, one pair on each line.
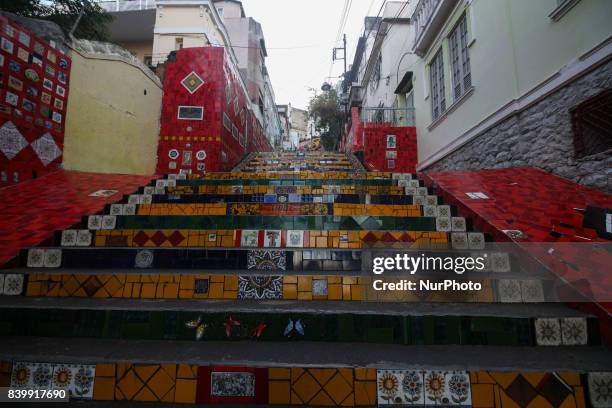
483,396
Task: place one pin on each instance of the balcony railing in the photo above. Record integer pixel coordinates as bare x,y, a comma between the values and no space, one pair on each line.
126,5
388,116
428,17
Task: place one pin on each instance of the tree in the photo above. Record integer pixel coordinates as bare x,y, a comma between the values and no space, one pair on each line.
92,26
329,118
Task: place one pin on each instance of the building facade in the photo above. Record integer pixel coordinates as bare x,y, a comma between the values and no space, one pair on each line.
540,102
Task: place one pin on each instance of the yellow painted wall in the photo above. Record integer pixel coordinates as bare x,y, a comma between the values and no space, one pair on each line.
139,48
111,125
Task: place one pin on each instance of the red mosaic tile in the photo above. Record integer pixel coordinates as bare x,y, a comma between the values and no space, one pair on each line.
33,210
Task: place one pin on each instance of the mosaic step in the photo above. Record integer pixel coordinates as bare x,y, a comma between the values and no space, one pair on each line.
295,326
275,189
317,386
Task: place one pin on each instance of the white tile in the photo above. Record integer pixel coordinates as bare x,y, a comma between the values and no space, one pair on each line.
145,199
458,224
548,331
83,238
509,291
116,209
129,209
431,200
476,240
459,240
69,237
430,211
13,284
134,199
249,238
443,211
94,222
500,262
443,224
150,190
109,222
36,258
295,239
422,191
53,258
600,389
272,238
532,291
574,331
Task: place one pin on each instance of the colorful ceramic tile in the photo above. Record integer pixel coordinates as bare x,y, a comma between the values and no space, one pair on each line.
232,384
459,240
509,291
319,287
13,284
46,149
476,240
83,238
270,198
430,211
500,262
295,239
53,258
260,287
272,238
94,222
532,291
109,222
116,209
400,387
200,286
11,140
574,331
36,258
267,260
192,82
443,224
249,238
547,332
600,389
458,224
143,259
129,209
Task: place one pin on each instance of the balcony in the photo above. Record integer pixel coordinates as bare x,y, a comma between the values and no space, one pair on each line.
429,17
113,6
356,95
388,116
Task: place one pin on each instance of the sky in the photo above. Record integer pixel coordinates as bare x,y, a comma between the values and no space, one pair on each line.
300,36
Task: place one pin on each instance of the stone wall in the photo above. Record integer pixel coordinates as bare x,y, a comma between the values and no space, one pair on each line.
541,136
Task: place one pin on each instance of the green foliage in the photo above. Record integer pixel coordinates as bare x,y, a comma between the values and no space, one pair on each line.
93,24
329,118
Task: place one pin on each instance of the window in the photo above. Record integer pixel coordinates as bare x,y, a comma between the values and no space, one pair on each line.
436,79
191,112
178,43
377,73
227,123
220,11
460,59
148,60
592,125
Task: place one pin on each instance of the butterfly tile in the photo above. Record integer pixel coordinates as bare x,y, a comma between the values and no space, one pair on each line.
547,332
145,199
266,260
53,258
422,191
600,389
509,291
69,237
418,200
249,238
149,190
13,284
295,239
134,199
574,331
409,190
260,287
36,258
431,200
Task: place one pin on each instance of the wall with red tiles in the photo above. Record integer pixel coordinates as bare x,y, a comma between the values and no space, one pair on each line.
381,154
205,78
354,139
34,83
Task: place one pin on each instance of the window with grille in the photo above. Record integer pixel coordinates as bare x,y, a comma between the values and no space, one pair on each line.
460,59
436,79
592,125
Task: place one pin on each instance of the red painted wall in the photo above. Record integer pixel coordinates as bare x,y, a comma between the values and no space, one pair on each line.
354,139
227,130
380,156
34,82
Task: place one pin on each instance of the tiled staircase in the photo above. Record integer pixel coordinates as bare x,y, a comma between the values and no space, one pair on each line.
255,287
